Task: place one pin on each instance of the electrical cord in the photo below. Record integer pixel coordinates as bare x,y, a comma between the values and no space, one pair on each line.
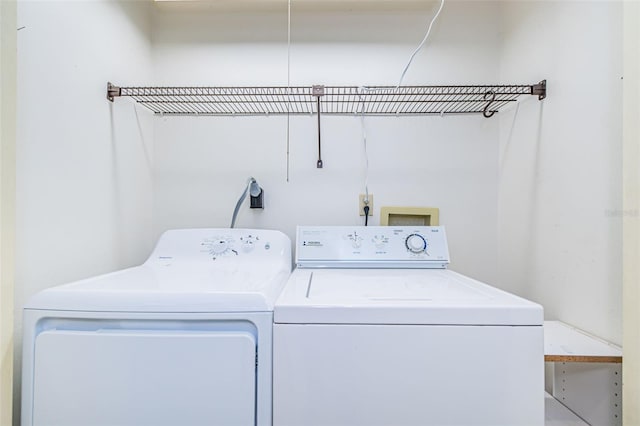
366,154
413,54
366,215
288,84
424,40
366,89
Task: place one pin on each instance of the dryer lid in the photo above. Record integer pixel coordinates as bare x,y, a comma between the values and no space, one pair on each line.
145,289
391,296
190,270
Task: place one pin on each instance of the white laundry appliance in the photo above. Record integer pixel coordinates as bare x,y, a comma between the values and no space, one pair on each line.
371,329
183,340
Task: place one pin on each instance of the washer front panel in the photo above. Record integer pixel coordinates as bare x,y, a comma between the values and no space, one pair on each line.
407,375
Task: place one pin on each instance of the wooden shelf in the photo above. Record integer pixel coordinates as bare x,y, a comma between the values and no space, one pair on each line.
564,343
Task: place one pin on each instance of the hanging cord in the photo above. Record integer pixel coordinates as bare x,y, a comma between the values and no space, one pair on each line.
365,89
288,80
366,153
250,182
415,52
424,40
366,164
288,43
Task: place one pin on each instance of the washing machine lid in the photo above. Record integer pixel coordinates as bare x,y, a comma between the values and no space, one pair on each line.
393,296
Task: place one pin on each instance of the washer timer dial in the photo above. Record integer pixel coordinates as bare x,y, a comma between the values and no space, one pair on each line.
416,243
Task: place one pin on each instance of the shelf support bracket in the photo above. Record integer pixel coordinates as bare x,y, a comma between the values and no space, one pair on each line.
113,91
318,91
540,89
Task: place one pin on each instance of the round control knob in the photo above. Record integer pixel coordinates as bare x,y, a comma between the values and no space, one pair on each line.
248,243
416,243
219,246
379,241
356,240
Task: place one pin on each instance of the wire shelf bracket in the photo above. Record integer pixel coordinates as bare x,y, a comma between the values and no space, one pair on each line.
540,89
113,91
328,100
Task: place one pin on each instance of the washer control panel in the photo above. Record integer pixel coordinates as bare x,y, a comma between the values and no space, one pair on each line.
372,247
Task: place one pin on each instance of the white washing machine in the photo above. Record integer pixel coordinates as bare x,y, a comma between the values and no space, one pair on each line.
184,339
373,330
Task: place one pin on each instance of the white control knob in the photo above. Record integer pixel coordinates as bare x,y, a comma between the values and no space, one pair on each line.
248,243
356,240
379,241
219,246
416,243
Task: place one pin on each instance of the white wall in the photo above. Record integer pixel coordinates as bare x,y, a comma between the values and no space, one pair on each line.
450,163
531,198
8,76
560,206
631,225
84,165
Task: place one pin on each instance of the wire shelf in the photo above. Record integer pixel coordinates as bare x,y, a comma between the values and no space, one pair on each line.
332,100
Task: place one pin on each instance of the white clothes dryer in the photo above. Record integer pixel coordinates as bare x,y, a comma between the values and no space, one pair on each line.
184,339
372,330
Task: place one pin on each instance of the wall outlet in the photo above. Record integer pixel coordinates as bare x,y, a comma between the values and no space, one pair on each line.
370,204
257,202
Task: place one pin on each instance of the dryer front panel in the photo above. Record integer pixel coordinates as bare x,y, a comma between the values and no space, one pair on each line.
131,377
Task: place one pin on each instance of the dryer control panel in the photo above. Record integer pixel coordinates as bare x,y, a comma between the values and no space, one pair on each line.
204,245
371,247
